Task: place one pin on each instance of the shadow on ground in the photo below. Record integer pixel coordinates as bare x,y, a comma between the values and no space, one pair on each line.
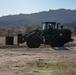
61,48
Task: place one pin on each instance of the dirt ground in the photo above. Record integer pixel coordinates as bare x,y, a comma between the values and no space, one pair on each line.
18,60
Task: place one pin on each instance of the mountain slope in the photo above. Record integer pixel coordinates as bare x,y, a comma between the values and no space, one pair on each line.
61,15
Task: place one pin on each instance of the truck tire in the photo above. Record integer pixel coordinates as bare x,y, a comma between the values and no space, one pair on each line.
27,43
58,42
34,42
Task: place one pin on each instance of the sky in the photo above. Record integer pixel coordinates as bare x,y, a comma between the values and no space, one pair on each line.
12,7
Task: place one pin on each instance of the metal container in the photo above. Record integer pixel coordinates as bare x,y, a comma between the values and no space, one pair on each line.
9,40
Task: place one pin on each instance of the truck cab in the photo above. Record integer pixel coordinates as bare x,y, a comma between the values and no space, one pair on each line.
50,28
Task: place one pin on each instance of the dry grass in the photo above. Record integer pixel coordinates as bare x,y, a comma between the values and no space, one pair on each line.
58,68
21,60
2,43
2,40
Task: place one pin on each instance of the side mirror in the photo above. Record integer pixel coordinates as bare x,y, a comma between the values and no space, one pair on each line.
61,27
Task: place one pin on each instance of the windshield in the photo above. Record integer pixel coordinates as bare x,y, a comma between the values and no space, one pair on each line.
44,26
47,26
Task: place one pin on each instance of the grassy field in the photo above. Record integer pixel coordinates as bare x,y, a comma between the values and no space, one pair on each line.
58,68
21,60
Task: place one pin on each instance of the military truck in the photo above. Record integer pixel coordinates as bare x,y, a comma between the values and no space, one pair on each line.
51,34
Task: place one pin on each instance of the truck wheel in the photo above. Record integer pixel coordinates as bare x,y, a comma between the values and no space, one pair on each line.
27,42
58,42
35,42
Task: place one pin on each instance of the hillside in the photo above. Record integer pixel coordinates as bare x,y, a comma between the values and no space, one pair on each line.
64,16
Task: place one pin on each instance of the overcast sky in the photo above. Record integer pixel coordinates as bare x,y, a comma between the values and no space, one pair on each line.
8,7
